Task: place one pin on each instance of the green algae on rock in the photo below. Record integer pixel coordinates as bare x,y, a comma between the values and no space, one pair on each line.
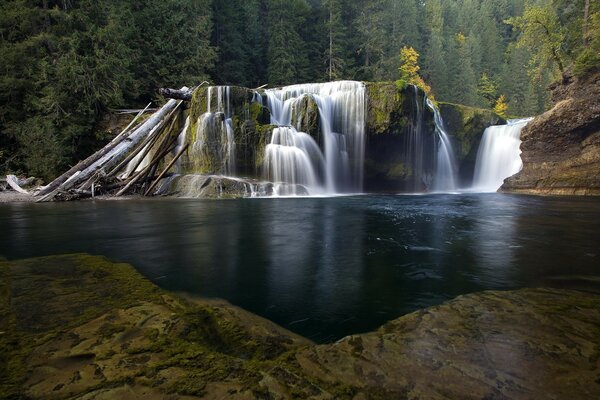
79,326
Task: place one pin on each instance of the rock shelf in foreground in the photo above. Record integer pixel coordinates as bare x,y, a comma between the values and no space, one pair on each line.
81,327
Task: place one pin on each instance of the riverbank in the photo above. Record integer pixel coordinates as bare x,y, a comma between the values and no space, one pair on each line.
79,326
10,196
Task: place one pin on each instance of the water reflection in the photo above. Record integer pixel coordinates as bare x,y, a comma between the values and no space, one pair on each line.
325,267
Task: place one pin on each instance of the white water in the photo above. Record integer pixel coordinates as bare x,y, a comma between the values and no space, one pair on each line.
292,162
342,108
498,156
446,167
214,136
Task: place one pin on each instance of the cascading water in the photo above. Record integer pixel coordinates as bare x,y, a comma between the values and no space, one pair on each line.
414,147
341,108
498,156
216,127
430,158
446,168
289,162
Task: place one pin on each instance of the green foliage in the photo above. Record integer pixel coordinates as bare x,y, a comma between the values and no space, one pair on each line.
63,64
286,50
66,63
488,89
542,34
589,58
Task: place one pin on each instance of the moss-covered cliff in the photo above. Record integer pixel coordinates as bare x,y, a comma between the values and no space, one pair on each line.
393,116
392,113
466,126
561,148
252,132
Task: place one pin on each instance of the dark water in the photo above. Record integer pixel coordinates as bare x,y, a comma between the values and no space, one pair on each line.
326,267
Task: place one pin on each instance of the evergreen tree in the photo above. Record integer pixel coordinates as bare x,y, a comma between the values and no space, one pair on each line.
435,70
287,56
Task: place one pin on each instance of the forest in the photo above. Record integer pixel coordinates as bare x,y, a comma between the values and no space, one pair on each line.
66,63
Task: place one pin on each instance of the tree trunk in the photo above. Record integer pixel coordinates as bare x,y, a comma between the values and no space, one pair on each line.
112,156
179,94
90,160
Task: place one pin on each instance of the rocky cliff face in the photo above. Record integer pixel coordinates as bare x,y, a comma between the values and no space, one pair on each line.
561,148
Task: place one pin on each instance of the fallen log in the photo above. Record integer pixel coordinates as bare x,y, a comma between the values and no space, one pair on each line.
178,94
55,184
13,182
144,172
164,172
110,156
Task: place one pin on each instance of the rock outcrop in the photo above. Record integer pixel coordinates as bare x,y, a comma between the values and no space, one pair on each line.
561,148
466,126
81,327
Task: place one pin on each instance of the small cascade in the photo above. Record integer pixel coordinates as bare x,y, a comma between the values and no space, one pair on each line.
292,161
414,146
498,156
342,109
429,156
446,167
214,136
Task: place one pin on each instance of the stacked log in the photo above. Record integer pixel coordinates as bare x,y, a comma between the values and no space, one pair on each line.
105,172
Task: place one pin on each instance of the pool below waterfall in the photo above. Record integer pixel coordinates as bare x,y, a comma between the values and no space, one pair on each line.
327,267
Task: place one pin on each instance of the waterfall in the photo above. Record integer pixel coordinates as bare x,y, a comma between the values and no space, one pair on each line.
213,138
291,162
342,110
414,147
498,156
446,168
429,155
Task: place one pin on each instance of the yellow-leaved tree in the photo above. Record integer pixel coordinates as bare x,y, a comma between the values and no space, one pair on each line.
501,107
409,71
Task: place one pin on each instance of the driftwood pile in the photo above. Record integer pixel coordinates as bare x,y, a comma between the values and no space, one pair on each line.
118,168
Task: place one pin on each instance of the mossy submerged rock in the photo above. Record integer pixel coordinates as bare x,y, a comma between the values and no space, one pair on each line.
213,187
79,326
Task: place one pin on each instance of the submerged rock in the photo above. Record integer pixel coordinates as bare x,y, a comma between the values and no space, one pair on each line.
561,148
212,187
79,326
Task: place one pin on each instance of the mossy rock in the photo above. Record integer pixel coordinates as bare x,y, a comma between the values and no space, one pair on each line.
79,326
306,118
466,126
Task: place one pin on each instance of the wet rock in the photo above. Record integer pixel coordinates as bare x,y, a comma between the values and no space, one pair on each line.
526,344
213,187
561,148
306,118
79,326
466,125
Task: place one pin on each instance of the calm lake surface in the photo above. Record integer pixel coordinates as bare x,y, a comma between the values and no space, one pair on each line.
326,267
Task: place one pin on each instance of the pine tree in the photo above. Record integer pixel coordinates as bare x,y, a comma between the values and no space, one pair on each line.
487,89
434,56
